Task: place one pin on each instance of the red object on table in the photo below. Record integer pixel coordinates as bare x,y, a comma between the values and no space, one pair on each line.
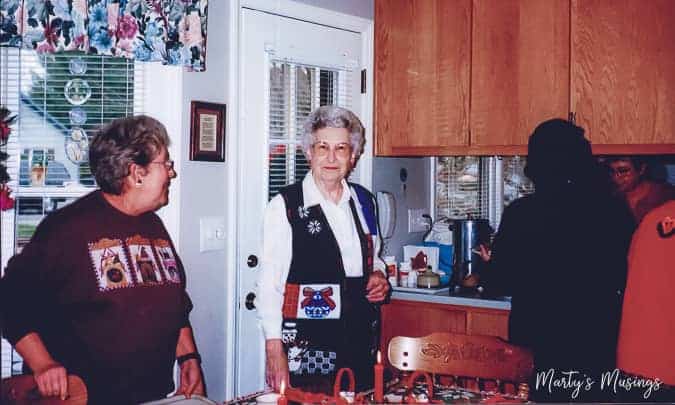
282,398
379,379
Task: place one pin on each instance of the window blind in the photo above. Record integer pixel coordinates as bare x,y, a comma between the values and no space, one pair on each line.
295,91
60,100
479,187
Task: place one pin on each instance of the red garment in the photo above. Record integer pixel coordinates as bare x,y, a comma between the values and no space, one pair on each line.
647,330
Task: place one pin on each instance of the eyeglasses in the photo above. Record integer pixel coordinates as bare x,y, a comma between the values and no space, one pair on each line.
341,150
168,164
621,171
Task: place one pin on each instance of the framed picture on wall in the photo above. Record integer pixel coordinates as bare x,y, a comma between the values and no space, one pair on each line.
207,132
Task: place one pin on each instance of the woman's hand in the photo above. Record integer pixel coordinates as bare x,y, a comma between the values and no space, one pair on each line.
484,252
52,381
191,380
377,287
276,364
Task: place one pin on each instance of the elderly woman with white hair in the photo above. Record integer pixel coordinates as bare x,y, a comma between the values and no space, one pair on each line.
322,280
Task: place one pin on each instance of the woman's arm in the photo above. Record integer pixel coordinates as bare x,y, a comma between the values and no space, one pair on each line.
276,261
191,380
50,376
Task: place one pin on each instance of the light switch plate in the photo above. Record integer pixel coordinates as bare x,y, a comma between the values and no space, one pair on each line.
211,233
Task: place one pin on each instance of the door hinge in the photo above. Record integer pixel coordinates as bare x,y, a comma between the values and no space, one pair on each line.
363,81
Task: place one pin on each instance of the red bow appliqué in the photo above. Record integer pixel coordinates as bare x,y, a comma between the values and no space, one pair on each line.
311,293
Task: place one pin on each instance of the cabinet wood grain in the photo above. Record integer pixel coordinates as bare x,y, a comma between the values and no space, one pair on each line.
623,74
519,68
422,56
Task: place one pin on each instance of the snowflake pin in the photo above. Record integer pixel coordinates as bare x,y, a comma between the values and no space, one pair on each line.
303,212
314,227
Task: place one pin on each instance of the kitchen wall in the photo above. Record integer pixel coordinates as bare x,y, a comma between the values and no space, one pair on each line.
415,192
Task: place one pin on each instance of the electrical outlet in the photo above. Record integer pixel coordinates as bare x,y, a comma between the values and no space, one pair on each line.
416,222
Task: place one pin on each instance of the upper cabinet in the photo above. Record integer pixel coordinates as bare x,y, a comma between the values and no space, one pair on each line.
476,77
519,69
422,56
623,74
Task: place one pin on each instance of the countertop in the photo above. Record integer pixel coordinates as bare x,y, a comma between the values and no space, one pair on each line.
443,297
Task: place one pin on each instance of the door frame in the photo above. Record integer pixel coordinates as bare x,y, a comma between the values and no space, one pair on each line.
285,8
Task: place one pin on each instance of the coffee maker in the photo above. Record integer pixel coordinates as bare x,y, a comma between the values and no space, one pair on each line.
467,236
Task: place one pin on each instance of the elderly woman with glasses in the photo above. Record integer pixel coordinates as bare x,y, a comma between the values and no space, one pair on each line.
322,280
99,290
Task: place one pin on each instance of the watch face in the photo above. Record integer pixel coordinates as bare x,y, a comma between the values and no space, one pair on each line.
77,116
77,91
77,66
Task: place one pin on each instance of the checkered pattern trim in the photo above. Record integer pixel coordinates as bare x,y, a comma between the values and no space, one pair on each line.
318,362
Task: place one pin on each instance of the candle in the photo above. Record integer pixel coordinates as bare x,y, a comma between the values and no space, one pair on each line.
379,379
282,398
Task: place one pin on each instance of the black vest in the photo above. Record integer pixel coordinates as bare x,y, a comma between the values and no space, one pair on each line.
316,344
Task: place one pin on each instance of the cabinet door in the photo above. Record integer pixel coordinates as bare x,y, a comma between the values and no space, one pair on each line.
519,69
488,322
422,53
623,74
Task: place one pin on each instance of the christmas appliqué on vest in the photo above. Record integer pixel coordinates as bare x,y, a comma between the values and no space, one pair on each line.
314,227
317,303
303,212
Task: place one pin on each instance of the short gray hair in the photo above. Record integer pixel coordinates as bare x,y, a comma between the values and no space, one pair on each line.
124,141
330,116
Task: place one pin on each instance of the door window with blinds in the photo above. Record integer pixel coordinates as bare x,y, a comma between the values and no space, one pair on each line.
479,187
60,100
295,91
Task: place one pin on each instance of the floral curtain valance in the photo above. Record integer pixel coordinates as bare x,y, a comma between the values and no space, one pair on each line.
170,31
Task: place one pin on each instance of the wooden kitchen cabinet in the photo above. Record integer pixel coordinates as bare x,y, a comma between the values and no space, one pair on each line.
519,70
416,319
623,74
422,55
475,77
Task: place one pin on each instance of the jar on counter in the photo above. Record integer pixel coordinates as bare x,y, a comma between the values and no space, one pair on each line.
403,272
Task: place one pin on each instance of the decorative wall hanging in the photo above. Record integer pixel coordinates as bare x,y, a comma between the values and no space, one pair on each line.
207,132
170,31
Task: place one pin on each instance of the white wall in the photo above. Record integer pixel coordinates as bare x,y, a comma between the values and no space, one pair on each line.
203,188
413,193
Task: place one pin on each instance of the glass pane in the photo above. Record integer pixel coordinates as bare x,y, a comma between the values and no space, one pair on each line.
50,110
327,87
278,169
458,187
304,96
516,184
301,164
279,97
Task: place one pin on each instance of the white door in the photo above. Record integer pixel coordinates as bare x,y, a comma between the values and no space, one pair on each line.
288,68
